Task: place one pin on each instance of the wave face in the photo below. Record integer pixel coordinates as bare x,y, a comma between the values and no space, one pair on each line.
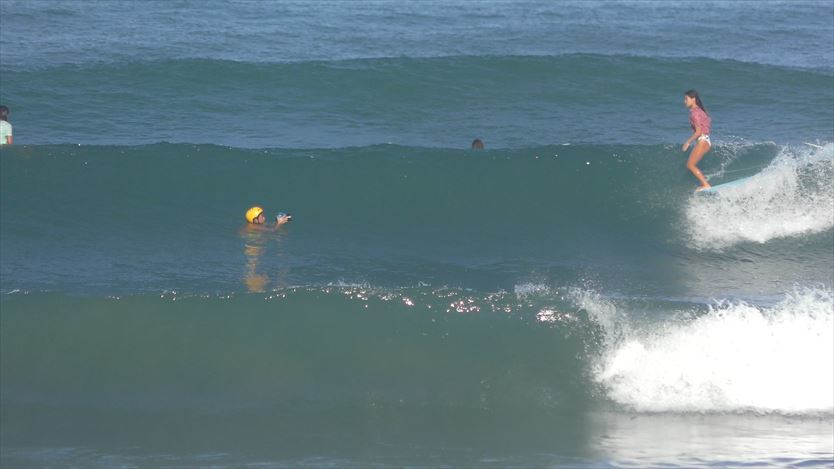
537,349
325,375
509,101
169,217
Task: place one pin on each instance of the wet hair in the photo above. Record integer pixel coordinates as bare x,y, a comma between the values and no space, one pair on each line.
694,94
4,113
477,144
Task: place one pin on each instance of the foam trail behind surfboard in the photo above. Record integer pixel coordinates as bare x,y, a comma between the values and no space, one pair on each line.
792,196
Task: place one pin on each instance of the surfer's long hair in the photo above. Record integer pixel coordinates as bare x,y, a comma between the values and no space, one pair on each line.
694,94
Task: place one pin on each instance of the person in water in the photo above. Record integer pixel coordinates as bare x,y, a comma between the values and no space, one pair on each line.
256,218
477,144
6,137
701,123
257,235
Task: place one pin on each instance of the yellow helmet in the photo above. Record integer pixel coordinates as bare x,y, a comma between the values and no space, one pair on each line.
253,213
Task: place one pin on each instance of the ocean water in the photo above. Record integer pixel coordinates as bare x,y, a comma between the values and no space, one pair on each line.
560,299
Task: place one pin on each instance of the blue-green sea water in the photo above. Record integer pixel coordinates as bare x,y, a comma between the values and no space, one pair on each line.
559,299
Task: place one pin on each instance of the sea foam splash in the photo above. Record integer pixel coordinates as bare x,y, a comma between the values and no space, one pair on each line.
736,358
793,196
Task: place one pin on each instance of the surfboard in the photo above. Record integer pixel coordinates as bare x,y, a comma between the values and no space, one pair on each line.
716,189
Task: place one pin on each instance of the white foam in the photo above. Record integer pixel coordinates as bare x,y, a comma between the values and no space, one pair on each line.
526,290
552,316
735,358
793,196
603,312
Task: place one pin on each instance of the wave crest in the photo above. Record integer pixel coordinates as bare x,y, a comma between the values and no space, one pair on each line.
793,196
736,358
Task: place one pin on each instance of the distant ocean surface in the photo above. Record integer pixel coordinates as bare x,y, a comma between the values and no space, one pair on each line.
561,298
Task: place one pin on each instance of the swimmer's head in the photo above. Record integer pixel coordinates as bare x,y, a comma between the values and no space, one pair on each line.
477,144
255,215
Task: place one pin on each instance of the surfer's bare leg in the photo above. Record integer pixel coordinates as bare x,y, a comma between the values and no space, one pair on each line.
698,152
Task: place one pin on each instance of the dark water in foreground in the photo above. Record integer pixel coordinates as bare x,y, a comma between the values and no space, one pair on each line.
352,376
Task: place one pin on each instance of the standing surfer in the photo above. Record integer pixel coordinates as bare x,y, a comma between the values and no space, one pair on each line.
701,123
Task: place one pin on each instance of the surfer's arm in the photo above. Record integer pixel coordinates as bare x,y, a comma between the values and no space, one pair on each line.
694,135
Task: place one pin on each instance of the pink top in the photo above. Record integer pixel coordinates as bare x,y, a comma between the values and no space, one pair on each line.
699,118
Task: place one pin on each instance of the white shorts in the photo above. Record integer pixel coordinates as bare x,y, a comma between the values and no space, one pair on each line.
704,138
